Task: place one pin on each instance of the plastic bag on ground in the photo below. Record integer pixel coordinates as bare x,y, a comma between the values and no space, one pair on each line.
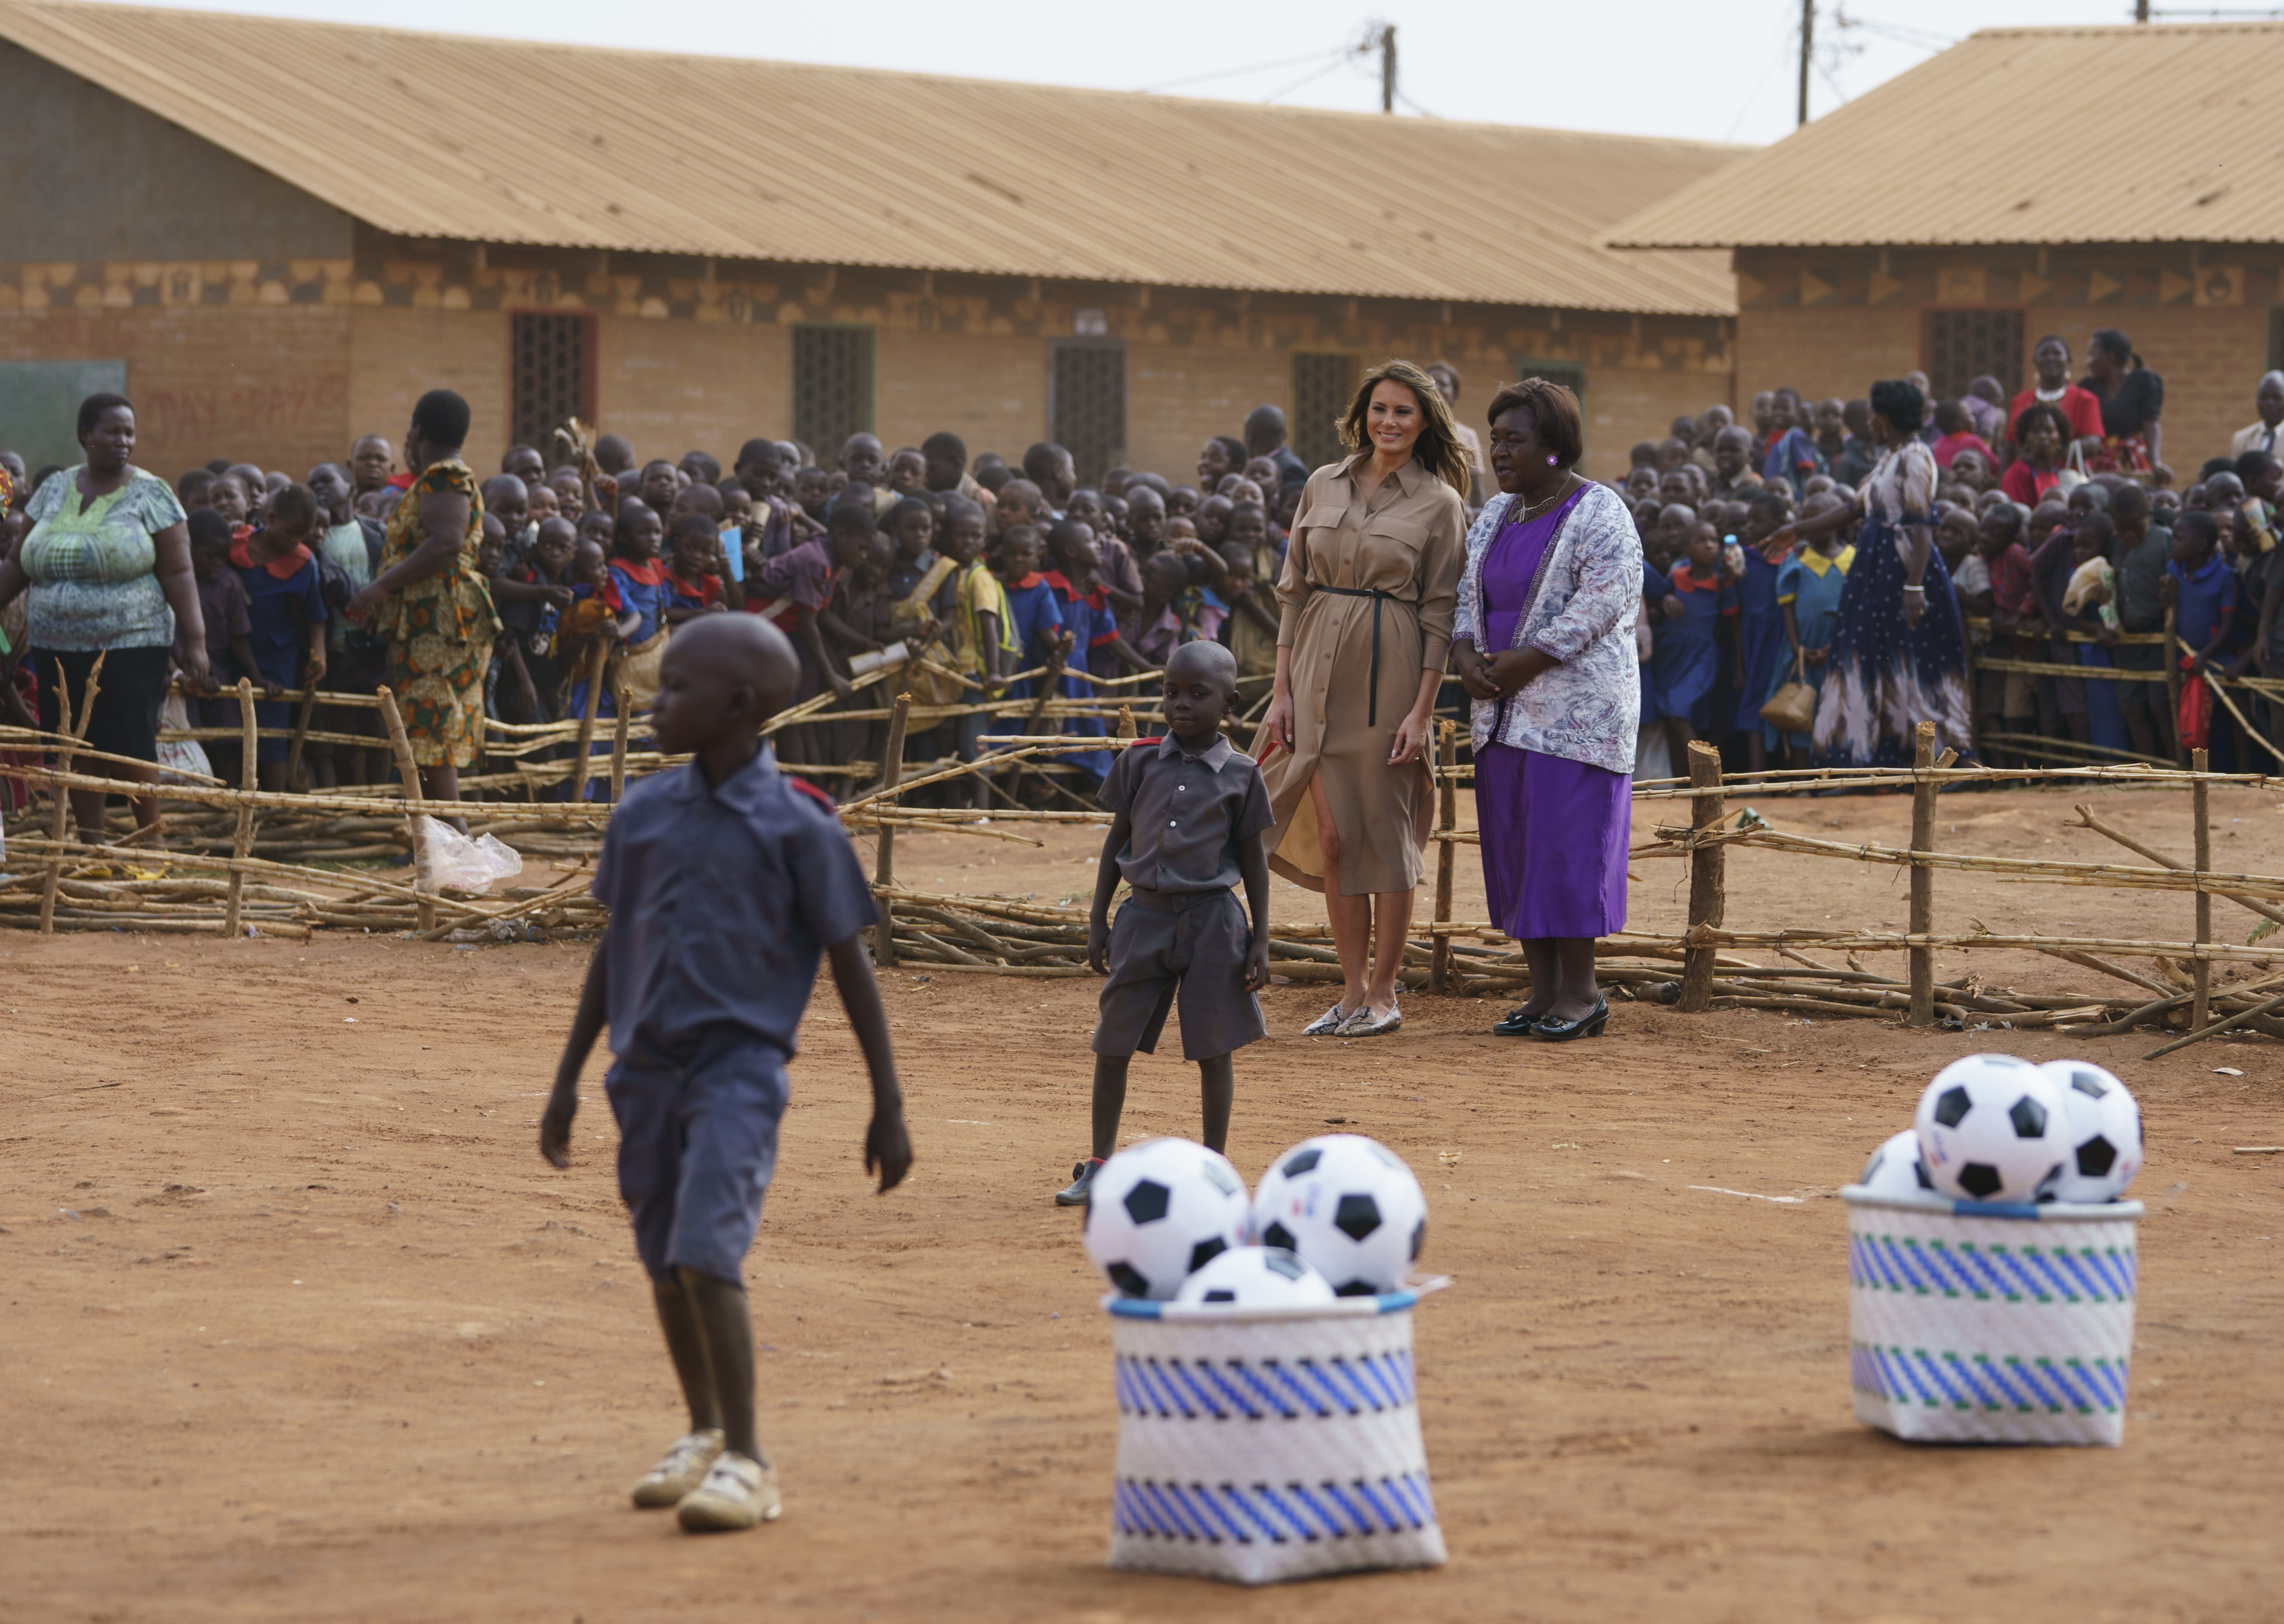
443,859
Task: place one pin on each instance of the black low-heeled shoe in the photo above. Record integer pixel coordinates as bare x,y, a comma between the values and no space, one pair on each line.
1566,1031
1515,1023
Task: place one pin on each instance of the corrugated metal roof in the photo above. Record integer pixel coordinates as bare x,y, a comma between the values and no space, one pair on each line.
2136,133
425,134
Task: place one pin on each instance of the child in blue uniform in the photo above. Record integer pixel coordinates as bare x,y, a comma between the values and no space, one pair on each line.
1687,664
279,573
1091,625
1034,611
726,882
1763,652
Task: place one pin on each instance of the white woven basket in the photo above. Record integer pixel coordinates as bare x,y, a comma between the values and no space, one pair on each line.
1974,1322
1266,1445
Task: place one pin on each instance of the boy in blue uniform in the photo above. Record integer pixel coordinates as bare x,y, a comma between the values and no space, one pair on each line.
1190,812
725,881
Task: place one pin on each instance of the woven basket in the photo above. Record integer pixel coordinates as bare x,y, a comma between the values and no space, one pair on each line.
1266,1445
1983,1322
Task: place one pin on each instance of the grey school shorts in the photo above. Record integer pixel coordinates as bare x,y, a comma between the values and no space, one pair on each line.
697,1145
1171,945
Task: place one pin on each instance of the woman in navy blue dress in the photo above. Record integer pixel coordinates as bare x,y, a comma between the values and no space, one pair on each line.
1898,656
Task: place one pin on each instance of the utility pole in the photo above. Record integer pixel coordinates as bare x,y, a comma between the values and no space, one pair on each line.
1387,66
2140,11
1808,46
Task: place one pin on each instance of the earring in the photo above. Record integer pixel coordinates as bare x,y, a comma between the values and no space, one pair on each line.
1551,460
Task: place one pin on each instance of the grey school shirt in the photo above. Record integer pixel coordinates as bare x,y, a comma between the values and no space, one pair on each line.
2139,571
1189,814
723,898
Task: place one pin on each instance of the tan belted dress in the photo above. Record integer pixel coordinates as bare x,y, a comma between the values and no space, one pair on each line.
1394,559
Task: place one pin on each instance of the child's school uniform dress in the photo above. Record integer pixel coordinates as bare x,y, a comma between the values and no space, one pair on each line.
800,578
1760,627
643,589
1687,666
1181,934
1033,609
281,600
702,593
1165,632
723,898
1810,583
534,623
2208,600
222,602
1087,616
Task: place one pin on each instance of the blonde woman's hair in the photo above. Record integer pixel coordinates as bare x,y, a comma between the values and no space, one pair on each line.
1438,448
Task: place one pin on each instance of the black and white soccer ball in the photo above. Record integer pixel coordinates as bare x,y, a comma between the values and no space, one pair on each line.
2104,1131
1257,1277
1896,1169
1992,1127
1159,1211
1350,1206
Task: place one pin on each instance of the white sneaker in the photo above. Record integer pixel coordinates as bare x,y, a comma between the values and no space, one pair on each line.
736,1494
683,1470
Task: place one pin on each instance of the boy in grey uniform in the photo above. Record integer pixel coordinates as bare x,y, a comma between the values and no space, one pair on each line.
1190,812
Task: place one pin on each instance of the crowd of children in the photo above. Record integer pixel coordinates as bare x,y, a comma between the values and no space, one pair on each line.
1003,583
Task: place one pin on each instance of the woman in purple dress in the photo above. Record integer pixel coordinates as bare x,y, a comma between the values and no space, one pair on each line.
1544,640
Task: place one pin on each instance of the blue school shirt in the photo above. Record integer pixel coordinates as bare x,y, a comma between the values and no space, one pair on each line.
1032,608
646,589
723,899
2208,596
277,636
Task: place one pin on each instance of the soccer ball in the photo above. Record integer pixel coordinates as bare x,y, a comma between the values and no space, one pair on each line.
1349,1206
1159,1211
1257,1277
2104,1132
1896,1169
1991,1127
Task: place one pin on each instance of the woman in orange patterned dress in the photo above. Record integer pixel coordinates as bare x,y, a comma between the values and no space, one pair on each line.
433,602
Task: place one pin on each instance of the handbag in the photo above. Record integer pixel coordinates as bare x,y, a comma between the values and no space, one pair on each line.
637,674
1792,707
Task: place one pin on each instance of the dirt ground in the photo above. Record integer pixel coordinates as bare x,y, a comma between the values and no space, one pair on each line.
299,1327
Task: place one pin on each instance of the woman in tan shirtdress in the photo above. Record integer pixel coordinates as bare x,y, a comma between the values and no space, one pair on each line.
1370,580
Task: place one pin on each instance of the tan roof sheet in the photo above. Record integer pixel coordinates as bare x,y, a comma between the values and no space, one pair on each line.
2136,133
424,134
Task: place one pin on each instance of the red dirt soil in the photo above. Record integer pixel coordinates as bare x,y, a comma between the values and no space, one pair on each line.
327,1341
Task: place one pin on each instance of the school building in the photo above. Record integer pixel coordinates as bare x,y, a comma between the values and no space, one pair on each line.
275,234
1949,219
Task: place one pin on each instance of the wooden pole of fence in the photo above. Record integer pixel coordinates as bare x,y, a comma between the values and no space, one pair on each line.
1922,916
619,706
73,730
249,777
2173,661
587,721
884,869
1447,819
409,771
2200,972
1708,900
301,736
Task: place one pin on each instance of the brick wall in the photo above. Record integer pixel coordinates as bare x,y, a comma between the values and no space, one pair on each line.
1823,352
673,386
399,354
1178,397
268,385
989,390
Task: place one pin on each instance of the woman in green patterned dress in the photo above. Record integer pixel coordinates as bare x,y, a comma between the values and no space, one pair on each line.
433,602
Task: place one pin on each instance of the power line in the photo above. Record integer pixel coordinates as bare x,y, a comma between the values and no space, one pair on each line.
1336,63
1337,53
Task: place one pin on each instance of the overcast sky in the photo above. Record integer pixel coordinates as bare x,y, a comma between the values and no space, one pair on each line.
1708,70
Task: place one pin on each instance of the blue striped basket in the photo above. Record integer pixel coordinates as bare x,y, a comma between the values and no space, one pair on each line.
1972,1322
1257,1446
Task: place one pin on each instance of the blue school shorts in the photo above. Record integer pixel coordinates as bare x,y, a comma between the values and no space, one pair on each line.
697,1145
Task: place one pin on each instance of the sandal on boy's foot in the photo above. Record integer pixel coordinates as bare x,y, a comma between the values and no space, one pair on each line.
736,1494
683,1470
1330,1022
1364,1023
1082,1185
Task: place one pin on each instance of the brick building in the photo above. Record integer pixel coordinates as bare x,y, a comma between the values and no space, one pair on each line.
362,214
1887,235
